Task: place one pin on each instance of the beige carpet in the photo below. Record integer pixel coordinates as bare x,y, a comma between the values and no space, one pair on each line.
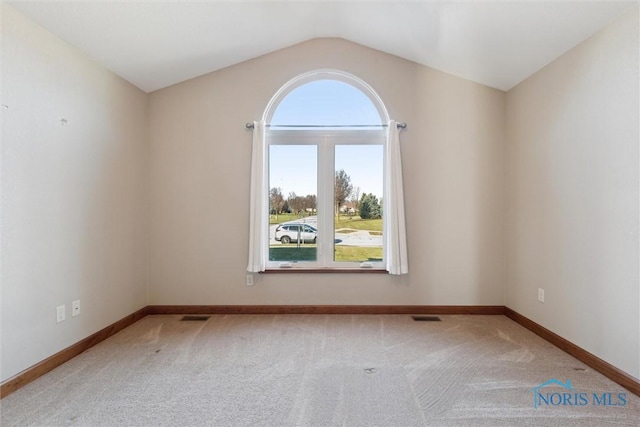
319,370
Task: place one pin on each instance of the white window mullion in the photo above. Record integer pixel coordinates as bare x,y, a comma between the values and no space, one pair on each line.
325,203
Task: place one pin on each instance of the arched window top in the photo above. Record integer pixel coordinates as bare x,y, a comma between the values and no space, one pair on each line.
326,98
326,102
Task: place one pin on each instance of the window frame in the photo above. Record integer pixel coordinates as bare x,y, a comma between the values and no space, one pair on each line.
325,74
325,142
326,139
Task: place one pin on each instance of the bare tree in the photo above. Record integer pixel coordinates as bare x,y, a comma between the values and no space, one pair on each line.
355,199
342,189
311,202
294,202
276,201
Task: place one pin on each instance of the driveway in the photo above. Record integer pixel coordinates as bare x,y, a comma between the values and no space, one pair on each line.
357,238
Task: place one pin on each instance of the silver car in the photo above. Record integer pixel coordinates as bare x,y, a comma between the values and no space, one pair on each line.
296,232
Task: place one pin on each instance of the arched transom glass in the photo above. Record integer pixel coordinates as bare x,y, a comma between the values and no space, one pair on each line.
326,103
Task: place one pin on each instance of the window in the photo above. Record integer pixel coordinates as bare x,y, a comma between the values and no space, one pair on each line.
325,159
326,179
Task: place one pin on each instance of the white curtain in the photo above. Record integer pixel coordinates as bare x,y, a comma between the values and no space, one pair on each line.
259,206
393,206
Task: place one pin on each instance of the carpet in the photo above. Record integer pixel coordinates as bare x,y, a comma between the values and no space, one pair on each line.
323,370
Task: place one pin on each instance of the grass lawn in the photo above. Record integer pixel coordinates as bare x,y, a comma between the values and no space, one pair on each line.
292,253
358,253
308,253
285,217
358,223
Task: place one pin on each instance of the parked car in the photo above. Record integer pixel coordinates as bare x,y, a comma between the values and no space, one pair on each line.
292,231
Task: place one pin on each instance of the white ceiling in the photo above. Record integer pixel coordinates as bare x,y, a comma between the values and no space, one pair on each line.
154,44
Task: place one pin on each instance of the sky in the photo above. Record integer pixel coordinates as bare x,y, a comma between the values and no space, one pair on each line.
293,168
327,102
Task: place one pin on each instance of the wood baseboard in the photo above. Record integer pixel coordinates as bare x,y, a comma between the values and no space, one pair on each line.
589,359
50,363
326,309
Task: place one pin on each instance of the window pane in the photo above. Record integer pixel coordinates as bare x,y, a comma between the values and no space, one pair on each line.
293,203
326,102
358,203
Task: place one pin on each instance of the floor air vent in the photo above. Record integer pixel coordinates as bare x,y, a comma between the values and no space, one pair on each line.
426,318
195,318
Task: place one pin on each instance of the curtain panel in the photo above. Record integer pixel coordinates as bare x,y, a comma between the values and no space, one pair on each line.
393,206
258,202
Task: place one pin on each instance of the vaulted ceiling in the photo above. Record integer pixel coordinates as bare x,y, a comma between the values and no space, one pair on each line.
154,44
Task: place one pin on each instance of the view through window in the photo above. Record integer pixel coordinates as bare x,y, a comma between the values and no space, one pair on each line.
325,153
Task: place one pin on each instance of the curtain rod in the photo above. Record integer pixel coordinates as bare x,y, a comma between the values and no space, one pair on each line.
399,125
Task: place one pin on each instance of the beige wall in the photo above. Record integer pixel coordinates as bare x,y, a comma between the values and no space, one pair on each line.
74,195
77,202
572,195
453,168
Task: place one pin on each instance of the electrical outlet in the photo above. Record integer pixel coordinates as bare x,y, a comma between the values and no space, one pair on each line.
61,313
249,280
540,294
75,308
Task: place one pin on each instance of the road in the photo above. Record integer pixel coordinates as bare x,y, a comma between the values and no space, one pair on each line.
354,238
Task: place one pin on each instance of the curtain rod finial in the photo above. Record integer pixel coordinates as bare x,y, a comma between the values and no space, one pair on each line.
249,125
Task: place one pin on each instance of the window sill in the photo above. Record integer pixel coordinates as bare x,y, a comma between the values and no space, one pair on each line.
325,270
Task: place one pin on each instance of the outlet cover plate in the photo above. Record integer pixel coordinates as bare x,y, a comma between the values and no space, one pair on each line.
75,308
60,313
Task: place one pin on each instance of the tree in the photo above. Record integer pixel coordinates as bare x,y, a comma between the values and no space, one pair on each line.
342,189
301,205
355,199
370,207
311,202
276,201
294,202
